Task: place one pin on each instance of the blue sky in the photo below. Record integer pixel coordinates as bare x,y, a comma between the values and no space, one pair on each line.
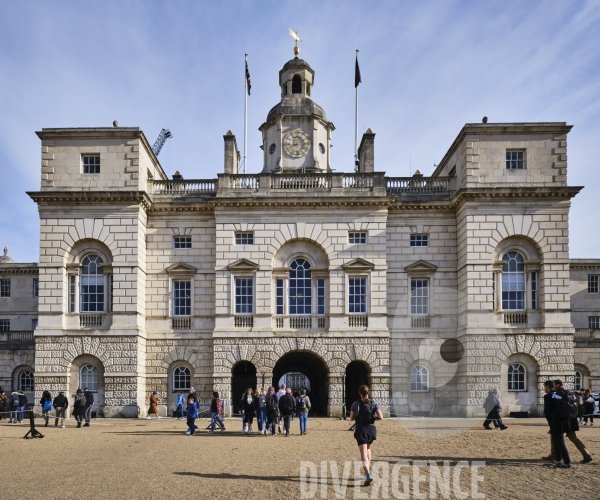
427,69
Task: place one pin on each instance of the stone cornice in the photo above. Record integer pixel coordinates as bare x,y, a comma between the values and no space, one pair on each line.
272,202
6,269
91,197
496,193
584,264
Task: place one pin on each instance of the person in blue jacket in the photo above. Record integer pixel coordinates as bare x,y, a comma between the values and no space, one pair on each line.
192,415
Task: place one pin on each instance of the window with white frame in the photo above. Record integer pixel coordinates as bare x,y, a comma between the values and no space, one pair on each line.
321,296
182,298
244,295
513,282
26,381
182,242
182,378
4,288
419,297
419,379
419,240
72,288
593,283
36,287
357,237
515,160
279,305
89,377
4,325
300,288
91,285
244,238
517,378
357,295
91,164
594,322
535,298
578,381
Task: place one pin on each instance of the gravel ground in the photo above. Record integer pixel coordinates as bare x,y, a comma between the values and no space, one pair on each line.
131,459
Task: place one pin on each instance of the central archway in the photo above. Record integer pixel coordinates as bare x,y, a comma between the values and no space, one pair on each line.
313,368
243,376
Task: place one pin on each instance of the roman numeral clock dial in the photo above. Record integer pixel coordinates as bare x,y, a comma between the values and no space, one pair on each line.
296,143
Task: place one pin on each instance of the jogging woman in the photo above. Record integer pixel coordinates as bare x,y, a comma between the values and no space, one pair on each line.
364,412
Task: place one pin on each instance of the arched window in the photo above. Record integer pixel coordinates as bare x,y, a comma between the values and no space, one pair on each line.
182,379
91,285
419,379
296,85
88,377
517,378
26,381
578,382
513,282
300,288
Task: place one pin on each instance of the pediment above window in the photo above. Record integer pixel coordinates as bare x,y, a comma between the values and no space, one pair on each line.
421,267
358,265
243,265
181,269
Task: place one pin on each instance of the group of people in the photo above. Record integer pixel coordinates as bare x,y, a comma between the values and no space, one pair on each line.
13,405
585,406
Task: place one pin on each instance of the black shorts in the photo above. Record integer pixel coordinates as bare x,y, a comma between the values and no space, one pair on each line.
365,434
248,419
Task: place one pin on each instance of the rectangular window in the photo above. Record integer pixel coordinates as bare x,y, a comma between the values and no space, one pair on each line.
91,298
91,164
182,298
5,288
493,291
419,297
419,240
279,296
357,238
594,322
515,160
534,291
321,296
244,238
72,293
357,295
244,295
36,287
182,242
4,325
111,283
34,323
513,291
593,283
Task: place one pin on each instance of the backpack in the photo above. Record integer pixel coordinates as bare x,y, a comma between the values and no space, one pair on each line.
364,414
47,405
219,405
566,405
286,403
301,403
80,401
272,406
14,401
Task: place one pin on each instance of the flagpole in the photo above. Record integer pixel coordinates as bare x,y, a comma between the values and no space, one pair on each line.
245,113
356,124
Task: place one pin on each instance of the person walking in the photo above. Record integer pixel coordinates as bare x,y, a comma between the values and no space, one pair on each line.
22,403
79,407
580,405
216,411
261,411
89,404
303,408
364,412
588,407
3,404
281,392
13,404
272,410
552,400
248,409
46,404
179,410
192,415
153,410
493,407
287,407
60,403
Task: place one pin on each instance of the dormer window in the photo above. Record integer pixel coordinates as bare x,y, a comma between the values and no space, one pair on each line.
296,85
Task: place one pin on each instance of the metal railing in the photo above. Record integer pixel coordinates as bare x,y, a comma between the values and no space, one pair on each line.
181,323
193,186
358,321
399,185
302,181
419,322
243,321
515,318
90,320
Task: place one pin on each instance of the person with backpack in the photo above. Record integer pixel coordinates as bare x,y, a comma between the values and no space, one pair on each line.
79,407
493,408
303,407
179,410
248,409
588,407
192,415
13,404
61,403
22,403
364,412
216,410
287,407
46,404
272,405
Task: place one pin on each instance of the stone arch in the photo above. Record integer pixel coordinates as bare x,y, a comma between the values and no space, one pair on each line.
529,399
88,246
522,244
73,377
19,359
79,346
519,226
90,229
185,354
301,247
171,399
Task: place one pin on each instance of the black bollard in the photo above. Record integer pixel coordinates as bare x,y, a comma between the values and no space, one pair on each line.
32,430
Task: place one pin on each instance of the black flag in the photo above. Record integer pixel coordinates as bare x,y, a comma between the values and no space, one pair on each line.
357,79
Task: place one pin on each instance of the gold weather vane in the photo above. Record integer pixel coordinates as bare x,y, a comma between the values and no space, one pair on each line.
297,38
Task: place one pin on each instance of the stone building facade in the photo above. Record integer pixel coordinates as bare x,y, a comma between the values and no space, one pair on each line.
430,289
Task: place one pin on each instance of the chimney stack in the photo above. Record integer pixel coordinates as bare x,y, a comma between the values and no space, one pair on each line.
232,155
366,152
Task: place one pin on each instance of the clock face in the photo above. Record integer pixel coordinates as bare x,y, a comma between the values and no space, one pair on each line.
296,143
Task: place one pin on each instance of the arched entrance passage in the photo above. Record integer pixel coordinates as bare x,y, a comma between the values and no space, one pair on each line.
243,375
356,375
310,365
